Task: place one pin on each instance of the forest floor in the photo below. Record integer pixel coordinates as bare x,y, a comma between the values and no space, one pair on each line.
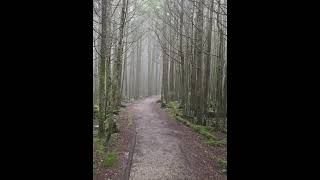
163,148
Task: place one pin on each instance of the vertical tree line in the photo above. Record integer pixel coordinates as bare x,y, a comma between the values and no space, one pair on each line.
122,70
173,48
193,39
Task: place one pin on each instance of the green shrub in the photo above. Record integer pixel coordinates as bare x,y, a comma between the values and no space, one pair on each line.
222,163
110,160
173,104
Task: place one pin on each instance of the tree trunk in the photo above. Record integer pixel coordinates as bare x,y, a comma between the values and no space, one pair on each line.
193,67
102,69
138,73
208,58
164,98
171,54
149,66
118,62
183,76
198,59
132,68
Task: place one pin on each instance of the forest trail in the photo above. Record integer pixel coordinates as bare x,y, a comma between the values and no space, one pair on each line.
163,148
157,154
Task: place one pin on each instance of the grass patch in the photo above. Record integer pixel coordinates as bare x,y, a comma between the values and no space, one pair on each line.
223,164
173,105
110,160
100,151
203,130
217,143
206,131
100,147
175,111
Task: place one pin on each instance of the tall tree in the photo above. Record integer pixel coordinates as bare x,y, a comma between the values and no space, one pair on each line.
132,77
152,75
198,59
164,97
171,55
138,72
149,66
208,58
119,55
193,65
102,68
183,75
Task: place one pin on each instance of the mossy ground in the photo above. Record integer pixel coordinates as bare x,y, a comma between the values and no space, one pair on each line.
208,132
100,157
176,112
110,160
223,164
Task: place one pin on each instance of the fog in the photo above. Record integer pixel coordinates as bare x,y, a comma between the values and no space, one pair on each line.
176,49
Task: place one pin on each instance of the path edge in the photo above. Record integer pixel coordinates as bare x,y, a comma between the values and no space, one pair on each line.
131,151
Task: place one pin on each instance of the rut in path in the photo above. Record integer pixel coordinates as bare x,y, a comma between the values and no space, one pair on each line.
157,153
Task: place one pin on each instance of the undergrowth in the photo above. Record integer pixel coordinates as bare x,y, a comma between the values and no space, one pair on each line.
217,143
223,164
110,160
100,155
176,112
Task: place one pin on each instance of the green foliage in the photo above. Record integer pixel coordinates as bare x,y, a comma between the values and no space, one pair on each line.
94,168
100,144
211,107
222,163
110,160
203,130
206,131
218,143
100,151
95,140
173,105
175,111
95,111
95,107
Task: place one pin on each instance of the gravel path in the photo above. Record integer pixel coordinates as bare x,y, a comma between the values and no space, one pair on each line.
165,149
157,154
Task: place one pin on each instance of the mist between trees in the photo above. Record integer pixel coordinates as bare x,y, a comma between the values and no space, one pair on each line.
173,48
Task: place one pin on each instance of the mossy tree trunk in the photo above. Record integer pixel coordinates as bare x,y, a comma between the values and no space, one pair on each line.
102,69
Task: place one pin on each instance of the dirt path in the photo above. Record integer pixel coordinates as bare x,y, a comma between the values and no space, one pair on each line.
165,149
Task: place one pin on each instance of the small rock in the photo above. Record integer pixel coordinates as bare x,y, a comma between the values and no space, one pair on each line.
126,154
